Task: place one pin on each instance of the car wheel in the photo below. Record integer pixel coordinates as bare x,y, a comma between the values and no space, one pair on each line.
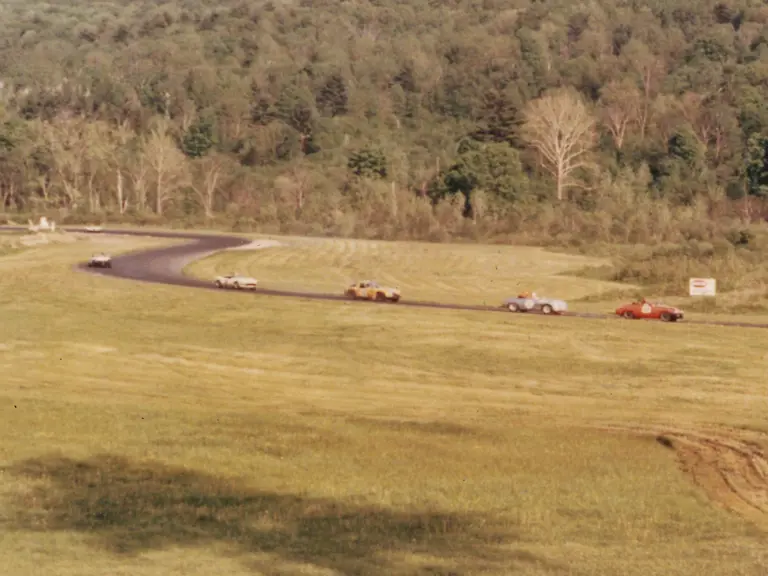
218,284
380,297
546,309
628,315
513,307
666,317
236,285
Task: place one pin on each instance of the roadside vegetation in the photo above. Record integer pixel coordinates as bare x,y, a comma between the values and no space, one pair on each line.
663,270
152,430
411,121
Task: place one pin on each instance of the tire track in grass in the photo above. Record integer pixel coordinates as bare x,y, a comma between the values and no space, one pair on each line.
731,469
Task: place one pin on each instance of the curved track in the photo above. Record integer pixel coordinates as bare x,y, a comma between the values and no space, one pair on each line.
165,266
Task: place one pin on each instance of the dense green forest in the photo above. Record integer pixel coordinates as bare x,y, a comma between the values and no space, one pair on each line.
608,120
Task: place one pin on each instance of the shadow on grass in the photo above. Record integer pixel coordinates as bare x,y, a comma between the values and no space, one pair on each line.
130,508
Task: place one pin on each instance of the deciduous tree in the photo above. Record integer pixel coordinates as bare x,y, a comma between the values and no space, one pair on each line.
561,129
115,149
621,105
68,146
207,172
168,165
649,69
296,184
493,167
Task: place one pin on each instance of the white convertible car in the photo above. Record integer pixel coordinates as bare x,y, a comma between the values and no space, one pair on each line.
93,228
100,261
236,281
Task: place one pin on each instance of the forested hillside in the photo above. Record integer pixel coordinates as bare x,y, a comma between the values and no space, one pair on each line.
607,120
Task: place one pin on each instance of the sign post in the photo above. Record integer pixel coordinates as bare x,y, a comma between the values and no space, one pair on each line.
702,287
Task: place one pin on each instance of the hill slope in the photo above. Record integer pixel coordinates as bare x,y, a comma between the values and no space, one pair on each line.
292,113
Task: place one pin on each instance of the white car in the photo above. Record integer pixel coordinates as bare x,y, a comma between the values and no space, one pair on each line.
100,261
93,228
236,281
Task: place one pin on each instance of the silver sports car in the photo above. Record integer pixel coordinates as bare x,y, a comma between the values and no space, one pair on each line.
531,302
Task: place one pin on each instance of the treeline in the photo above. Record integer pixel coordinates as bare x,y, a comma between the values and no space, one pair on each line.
612,121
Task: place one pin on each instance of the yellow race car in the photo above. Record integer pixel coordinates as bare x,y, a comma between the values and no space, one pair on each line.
370,290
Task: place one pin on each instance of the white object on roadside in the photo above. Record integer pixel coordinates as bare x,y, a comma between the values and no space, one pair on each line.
702,287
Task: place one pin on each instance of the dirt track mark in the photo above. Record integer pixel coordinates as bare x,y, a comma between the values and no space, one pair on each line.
732,472
729,467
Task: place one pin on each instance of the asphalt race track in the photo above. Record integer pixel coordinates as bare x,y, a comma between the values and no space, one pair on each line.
165,266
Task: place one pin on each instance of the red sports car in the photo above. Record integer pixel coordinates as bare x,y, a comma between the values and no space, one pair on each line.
651,310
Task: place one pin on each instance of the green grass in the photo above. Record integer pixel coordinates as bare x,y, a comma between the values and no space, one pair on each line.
453,273
458,274
155,430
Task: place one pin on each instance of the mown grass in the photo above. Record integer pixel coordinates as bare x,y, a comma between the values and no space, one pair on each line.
487,274
156,430
451,273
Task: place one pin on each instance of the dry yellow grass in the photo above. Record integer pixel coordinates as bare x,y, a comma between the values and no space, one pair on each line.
155,430
451,273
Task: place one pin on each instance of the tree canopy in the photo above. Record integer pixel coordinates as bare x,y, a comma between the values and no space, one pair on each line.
112,107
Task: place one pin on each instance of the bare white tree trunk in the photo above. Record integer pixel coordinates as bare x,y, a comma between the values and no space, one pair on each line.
139,181
120,193
210,169
561,128
168,163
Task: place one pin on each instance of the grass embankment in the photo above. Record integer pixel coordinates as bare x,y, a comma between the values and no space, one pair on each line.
657,265
450,273
339,438
487,274
663,270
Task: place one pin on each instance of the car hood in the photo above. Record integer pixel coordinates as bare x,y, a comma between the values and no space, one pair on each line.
666,307
237,279
384,288
553,301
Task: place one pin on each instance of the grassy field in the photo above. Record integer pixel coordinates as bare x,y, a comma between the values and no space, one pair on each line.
153,430
451,273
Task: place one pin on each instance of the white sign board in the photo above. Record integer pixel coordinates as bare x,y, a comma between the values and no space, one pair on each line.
702,286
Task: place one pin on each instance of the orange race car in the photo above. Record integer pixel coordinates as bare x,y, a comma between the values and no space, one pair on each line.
370,290
650,310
